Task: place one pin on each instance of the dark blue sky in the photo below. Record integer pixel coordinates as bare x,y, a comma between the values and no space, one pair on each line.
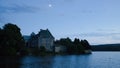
98,21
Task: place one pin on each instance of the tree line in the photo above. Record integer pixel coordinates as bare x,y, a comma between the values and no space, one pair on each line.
74,47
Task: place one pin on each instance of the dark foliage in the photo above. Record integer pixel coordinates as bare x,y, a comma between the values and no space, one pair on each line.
12,41
85,44
64,41
74,47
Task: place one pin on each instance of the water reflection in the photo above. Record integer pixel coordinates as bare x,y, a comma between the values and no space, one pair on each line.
95,60
73,61
37,62
66,61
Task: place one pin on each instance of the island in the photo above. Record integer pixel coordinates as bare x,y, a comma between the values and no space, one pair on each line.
13,43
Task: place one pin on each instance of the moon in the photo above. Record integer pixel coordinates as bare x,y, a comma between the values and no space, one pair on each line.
50,5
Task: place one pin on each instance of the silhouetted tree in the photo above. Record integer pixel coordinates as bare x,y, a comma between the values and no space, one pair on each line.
11,39
64,41
74,47
85,44
78,46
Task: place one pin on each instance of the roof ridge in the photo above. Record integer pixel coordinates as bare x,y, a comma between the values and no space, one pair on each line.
45,33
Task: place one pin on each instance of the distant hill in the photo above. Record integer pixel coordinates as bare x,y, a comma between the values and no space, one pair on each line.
106,47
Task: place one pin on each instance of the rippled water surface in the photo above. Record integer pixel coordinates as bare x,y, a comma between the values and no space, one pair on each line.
95,60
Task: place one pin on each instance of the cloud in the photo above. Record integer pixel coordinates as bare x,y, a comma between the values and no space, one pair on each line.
99,34
17,9
68,0
102,38
87,11
107,30
98,38
6,9
93,34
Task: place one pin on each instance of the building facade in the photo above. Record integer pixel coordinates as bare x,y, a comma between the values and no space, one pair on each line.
60,48
43,38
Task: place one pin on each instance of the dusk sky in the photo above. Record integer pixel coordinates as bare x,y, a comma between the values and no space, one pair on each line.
98,21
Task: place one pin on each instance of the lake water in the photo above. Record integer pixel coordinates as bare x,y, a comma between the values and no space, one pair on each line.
94,60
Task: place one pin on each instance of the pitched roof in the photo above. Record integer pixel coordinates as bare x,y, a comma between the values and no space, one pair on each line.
45,34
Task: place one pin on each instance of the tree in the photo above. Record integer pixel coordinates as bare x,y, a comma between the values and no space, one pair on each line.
0,37
76,41
64,41
12,40
73,47
67,43
78,48
85,44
